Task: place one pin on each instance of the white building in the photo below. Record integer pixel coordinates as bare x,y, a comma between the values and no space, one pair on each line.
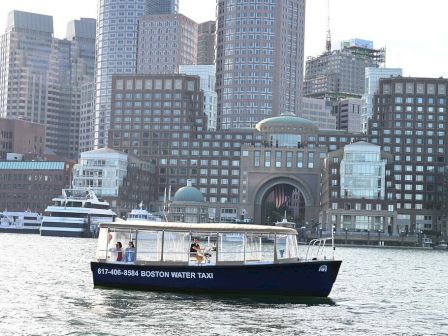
373,76
101,170
363,172
207,77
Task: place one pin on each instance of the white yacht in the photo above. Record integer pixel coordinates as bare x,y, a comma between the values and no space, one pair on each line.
143,215
20,221
76,213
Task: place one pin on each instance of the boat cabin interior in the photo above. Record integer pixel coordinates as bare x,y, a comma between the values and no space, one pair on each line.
174,243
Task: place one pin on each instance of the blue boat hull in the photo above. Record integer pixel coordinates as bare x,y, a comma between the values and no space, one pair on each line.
306,279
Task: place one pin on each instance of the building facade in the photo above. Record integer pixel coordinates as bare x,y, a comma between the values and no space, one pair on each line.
358,192
162,6
372,82
319,112
116,53
31,185
410,123
341,73
348,115
206,43
165,42
259,60
22,137
207,77
123,180
41,76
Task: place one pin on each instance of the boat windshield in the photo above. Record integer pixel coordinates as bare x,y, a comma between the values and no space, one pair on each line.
155,246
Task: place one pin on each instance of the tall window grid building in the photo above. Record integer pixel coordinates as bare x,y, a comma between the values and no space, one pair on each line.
165,42
259,60
410,122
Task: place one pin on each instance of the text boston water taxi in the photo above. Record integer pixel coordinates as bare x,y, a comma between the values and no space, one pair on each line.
199,258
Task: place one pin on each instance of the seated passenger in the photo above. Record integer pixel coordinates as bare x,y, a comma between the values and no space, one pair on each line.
129,252
119,251
195,251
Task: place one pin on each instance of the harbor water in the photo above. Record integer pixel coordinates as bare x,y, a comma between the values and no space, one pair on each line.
46,289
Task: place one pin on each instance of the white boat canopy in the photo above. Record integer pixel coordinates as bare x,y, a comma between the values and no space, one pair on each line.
203,227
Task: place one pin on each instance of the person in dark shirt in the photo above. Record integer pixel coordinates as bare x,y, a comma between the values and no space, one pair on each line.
119,250
195,251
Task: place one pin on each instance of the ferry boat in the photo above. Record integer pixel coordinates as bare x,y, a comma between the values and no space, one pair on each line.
20,222
76,213
159,259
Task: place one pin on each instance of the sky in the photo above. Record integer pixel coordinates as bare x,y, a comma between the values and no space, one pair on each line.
414,33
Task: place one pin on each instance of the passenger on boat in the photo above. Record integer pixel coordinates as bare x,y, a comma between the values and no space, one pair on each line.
129,252
195,251
119,250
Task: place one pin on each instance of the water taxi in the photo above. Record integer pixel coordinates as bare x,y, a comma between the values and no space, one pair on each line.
164,257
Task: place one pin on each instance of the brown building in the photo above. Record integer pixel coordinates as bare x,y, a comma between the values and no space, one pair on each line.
410,122
30,185
22,137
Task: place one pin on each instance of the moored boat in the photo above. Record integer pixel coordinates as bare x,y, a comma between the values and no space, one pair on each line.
163,259
76,213
141,214
442,245
20,222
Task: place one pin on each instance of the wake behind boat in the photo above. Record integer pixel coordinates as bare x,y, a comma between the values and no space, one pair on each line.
76,213
163,257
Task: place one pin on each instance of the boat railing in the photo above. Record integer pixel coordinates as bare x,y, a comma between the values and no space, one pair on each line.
316,248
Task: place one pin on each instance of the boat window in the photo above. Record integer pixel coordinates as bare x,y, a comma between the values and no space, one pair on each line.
101,251
259,248
286,247
231,246
119,235
176,246
149,246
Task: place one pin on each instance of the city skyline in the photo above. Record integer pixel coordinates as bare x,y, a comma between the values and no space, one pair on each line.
420,52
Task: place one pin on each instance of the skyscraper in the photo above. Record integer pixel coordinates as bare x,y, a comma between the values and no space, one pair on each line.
165,42
116,50
41,76
259,63
162,6
341,73
206,42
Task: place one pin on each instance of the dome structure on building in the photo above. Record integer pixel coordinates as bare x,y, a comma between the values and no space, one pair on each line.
286,123
188,194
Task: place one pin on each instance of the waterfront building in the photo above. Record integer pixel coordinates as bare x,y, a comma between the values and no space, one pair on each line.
357,190
259,60
372,83
348,114
160,119
319,112
162,6
116,53
165,42
30,185
206,43
341,73
207,77
410,123
120,178
22,137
